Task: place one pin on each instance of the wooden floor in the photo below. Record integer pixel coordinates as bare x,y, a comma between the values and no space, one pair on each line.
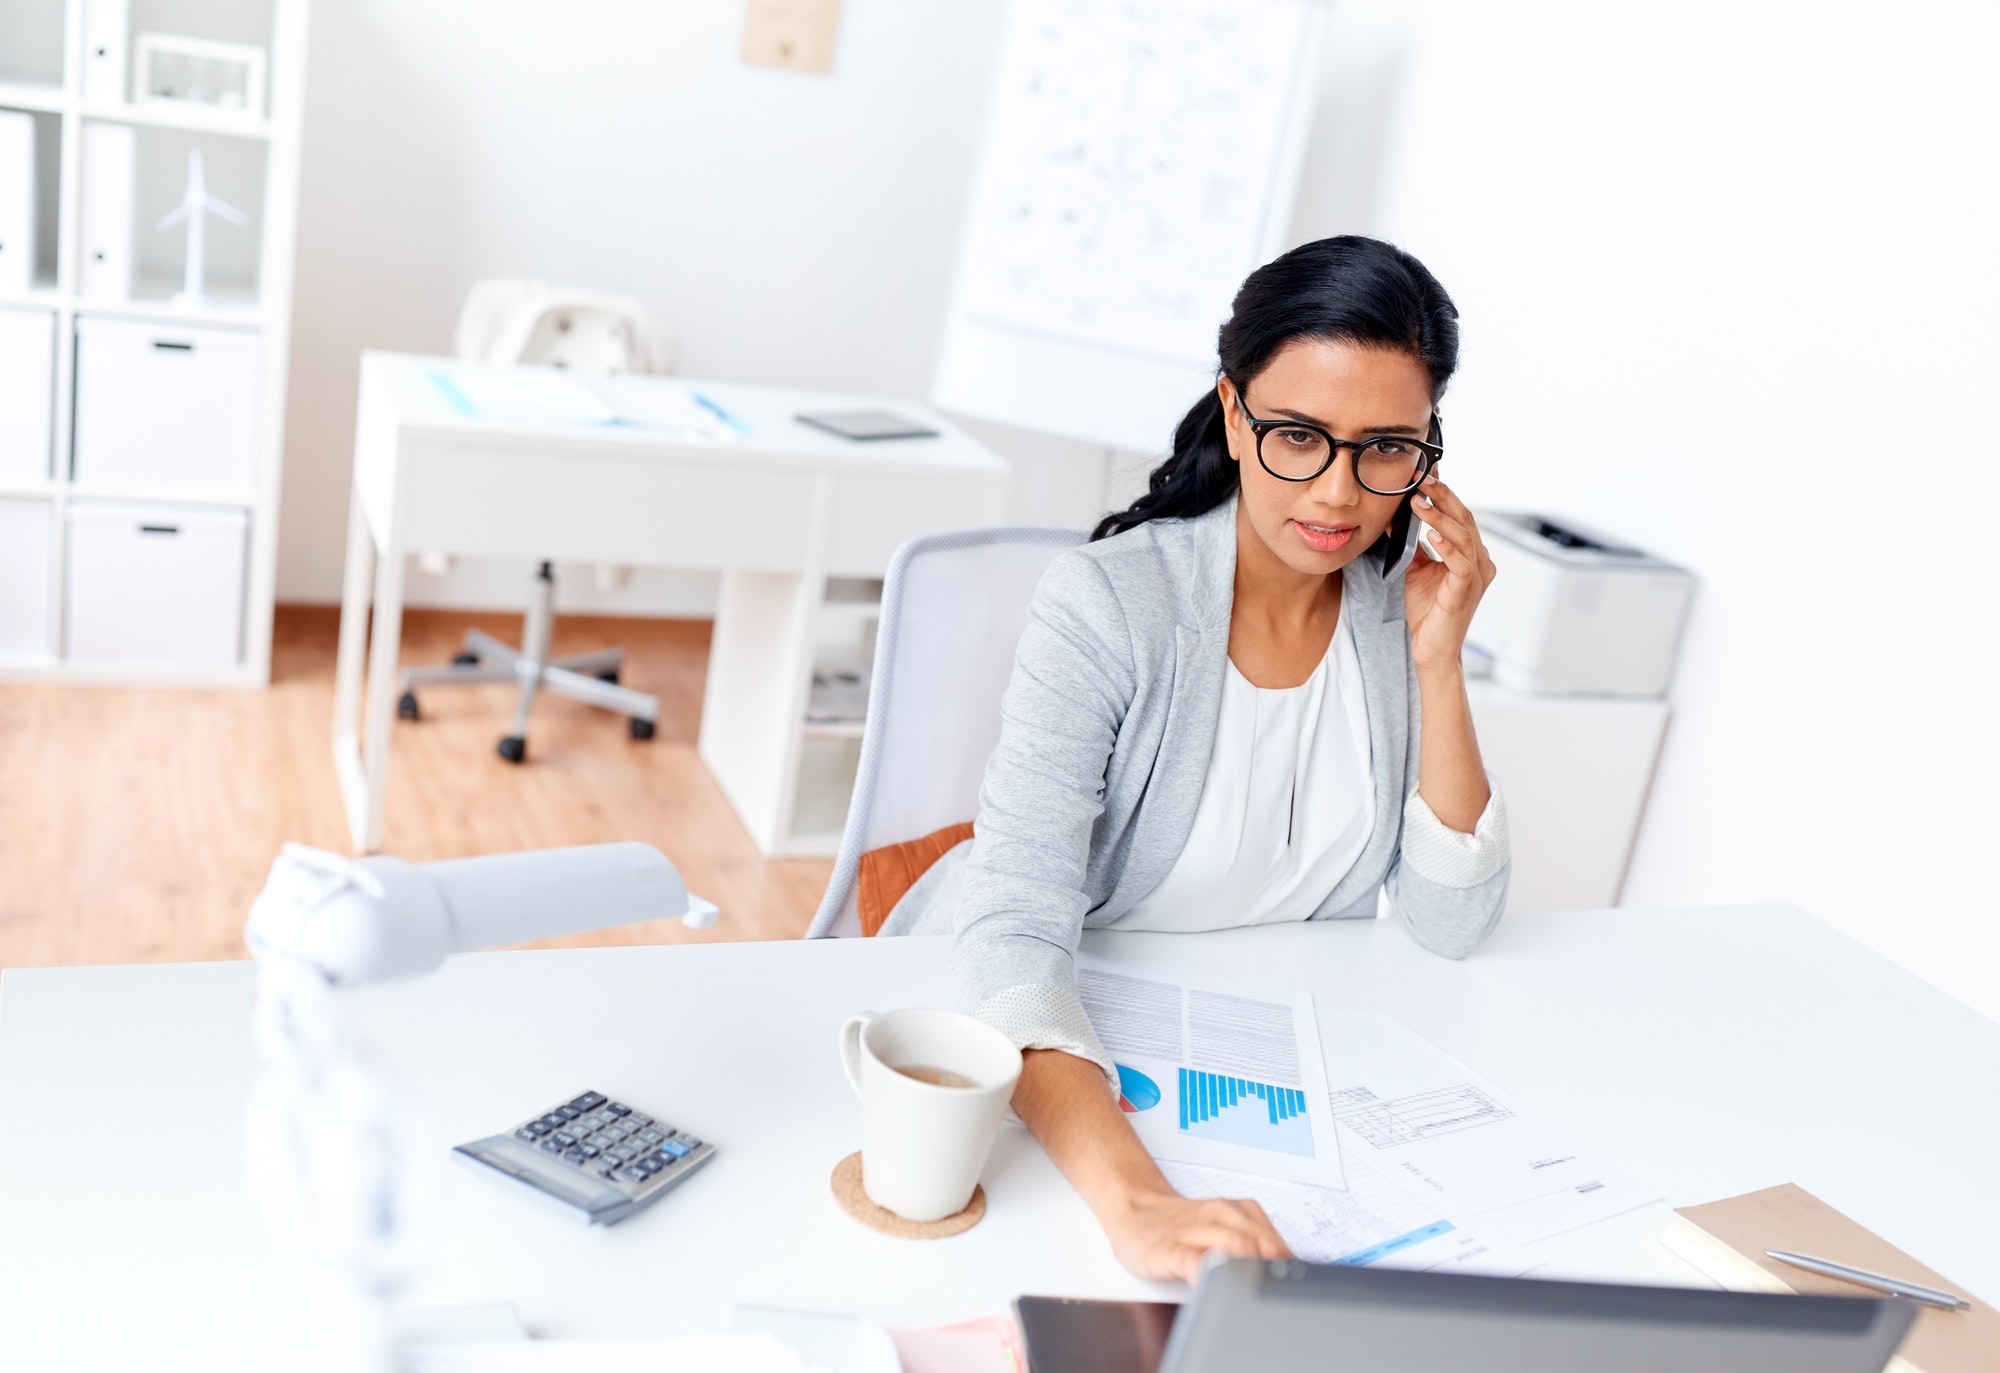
137,826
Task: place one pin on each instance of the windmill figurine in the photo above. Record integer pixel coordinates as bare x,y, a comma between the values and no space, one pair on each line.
197,202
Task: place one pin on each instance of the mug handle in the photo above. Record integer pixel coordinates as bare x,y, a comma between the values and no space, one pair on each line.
850,1047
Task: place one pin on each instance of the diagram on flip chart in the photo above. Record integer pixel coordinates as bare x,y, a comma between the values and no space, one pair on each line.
1130,165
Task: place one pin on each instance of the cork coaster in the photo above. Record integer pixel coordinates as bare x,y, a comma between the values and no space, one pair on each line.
853,1200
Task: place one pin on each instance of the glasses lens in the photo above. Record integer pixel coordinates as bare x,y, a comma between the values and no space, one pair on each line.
1296,454
1388,466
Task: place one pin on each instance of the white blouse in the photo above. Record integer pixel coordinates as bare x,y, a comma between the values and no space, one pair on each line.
1286,807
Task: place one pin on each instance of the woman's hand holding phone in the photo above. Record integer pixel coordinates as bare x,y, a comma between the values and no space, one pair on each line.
1446,579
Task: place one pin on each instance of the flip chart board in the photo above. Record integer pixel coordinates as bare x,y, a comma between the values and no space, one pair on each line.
1140,159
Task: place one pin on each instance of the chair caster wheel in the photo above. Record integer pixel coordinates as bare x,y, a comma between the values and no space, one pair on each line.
406,707
641,729
514,748
465,659
610,674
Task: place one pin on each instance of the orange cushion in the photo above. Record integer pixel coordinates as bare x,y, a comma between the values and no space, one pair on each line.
890,871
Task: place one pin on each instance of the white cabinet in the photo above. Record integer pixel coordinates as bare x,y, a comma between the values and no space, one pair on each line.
27,395
24,578
155,583
1575,771
164,407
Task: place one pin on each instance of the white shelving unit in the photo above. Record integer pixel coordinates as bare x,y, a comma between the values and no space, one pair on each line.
252,160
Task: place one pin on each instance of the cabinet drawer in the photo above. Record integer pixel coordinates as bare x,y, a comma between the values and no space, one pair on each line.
163,407
27,387
24,578
155,583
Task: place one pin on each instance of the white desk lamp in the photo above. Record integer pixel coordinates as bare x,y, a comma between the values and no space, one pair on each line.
327,1158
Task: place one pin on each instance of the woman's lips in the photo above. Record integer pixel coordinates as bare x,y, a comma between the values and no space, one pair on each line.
1323,538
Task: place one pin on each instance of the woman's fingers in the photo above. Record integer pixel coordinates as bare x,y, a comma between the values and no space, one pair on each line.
1451,523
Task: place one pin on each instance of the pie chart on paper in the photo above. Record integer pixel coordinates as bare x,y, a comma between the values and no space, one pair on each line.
1136,1091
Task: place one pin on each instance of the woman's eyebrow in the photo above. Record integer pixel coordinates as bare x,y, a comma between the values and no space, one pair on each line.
1365,429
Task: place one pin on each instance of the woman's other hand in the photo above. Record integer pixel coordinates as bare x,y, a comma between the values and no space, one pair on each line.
1154,1230
1164,1235
1440,594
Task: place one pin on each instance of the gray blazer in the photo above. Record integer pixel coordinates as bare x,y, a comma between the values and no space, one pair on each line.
1107,724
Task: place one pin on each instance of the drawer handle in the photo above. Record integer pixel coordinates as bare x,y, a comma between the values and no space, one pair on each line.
172,347
159,529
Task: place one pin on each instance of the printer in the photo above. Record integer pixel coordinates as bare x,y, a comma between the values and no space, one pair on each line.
1573,612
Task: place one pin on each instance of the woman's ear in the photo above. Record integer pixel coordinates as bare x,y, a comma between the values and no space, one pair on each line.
1225,392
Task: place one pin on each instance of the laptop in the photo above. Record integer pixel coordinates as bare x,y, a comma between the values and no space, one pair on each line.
1289,1317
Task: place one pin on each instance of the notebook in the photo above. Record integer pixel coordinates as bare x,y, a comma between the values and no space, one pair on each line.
1726,1240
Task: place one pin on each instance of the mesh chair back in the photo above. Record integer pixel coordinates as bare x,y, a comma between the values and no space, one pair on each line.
953,608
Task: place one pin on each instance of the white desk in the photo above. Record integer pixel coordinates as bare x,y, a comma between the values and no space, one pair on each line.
1659,1040
776,513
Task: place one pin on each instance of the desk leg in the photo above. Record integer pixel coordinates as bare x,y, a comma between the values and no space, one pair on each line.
379,705
357,578
753,708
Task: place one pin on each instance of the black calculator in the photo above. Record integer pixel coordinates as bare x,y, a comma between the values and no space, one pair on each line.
601,1159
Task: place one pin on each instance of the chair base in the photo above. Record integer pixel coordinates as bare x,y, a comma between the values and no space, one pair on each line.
591,678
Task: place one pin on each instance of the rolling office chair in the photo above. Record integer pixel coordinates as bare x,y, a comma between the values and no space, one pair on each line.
953,608
507,321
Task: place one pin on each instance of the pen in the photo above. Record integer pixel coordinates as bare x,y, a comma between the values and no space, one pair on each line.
1929,1296
716,408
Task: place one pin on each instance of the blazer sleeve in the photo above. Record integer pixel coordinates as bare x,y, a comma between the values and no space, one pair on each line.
1020,912
1448,887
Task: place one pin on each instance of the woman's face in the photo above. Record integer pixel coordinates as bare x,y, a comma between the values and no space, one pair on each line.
1354,392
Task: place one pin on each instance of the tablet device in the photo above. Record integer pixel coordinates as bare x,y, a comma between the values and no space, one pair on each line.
1061,1335
864,425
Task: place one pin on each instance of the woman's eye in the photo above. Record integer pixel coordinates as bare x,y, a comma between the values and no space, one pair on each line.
1299,438
1390,448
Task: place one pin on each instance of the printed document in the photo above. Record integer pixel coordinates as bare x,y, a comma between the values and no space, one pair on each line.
1213,1072
545,397
1372,1222
1406,1107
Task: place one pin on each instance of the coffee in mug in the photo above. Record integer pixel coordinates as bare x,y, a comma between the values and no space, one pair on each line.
934,1086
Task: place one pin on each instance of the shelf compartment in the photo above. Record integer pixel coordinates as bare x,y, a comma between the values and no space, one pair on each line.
32,39
28,243
25,532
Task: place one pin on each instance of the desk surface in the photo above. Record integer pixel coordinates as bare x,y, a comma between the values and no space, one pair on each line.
770,414
1663,1042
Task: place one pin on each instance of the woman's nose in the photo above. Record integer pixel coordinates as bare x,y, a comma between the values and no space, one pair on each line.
1338,485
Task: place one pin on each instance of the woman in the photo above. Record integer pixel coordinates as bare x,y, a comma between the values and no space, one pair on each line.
1214,713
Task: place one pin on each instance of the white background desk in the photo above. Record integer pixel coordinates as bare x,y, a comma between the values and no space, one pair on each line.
1668,1044
777,513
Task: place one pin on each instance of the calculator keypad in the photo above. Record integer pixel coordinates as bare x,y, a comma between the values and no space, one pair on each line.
609,1140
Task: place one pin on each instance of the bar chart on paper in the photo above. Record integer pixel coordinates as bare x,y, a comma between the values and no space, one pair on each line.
1236,1110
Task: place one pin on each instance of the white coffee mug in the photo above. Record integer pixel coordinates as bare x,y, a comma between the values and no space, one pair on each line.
925,1138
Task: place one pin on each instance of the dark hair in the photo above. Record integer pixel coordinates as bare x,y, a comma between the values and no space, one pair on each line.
1344,290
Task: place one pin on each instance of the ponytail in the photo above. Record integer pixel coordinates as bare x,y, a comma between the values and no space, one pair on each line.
1199,476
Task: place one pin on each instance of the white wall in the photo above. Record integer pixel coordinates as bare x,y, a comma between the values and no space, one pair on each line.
792,228
1728,280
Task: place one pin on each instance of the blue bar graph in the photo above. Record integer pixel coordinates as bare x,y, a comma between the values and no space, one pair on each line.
1237,1110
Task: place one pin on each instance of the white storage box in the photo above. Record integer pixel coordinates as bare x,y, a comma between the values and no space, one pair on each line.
155,584
1574,613
162,407
24,579
27,391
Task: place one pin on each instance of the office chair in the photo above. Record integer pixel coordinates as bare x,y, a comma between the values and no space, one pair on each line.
953,608
507,321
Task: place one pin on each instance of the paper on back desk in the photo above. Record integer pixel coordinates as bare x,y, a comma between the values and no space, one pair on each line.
1428,1121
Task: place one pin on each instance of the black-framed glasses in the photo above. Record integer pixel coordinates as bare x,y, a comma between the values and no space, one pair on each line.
1299,451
